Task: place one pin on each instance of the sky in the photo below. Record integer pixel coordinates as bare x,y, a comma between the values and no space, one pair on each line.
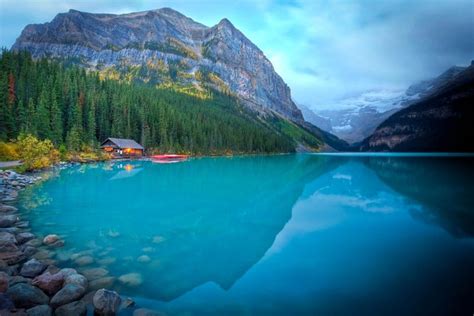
324,50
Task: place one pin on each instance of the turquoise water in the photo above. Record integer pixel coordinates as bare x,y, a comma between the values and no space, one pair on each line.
290,234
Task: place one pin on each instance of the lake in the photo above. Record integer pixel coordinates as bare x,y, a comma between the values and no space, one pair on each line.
284,234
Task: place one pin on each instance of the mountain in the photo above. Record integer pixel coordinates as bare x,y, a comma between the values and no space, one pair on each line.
358,116
441,121
315,119
166,49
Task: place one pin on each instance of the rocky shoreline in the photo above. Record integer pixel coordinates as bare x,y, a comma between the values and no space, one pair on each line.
30,282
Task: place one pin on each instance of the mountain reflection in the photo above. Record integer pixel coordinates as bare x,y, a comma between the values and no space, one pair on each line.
206,220
443,186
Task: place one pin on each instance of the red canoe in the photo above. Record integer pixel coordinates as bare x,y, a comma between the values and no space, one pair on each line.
171,156
168,158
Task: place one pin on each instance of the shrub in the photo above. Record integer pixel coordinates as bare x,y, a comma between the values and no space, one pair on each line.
35,153
8,151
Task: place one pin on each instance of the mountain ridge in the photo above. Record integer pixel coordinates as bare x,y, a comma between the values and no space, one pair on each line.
440,121
187,49
362,114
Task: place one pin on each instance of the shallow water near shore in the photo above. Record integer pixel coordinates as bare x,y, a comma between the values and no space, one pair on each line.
289,234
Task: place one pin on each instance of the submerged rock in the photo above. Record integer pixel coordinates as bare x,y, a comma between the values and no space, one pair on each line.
32,268
105,282
84,260
131,279
94,273
106,261
144,259
77,308
146,312
69,293
106,302
50,239
158,239
25,295
40,310
128,303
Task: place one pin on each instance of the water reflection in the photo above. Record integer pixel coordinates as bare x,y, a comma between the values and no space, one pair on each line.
444,187
190,219
311,230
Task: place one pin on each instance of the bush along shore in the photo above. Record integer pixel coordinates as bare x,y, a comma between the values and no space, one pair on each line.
30,283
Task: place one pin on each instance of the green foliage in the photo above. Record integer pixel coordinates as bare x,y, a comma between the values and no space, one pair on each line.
8,151
35,153
297,133
72,108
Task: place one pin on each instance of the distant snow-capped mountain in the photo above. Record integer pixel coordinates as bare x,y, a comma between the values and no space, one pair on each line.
356,117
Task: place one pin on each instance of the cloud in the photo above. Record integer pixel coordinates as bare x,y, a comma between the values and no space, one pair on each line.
324,50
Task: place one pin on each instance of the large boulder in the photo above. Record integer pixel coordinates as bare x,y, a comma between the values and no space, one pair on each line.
77,279
77,308
8,220
7,208
3,282
69,293
40,310
24,237
29,251
68,271
12,257
8,242
6,303
106,302
25,295
49,283
32,268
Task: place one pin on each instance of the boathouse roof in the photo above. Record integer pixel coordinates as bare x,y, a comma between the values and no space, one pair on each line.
122,143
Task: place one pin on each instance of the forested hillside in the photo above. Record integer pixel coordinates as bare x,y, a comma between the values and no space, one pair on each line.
73,107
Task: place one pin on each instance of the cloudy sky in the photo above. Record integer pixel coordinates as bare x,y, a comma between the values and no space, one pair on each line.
325,50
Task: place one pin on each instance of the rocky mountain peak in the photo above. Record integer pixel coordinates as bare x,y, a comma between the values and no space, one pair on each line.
173,48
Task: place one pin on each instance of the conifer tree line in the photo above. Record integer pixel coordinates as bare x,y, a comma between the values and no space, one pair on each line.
73,108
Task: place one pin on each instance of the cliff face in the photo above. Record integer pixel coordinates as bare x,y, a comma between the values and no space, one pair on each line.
442,121
164,47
